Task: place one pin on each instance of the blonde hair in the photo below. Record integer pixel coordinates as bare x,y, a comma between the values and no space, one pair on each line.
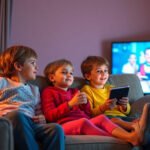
17,53
53,66
90,61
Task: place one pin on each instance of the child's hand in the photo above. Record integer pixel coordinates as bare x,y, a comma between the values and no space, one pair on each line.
39,119
38,109
79,98
109,104
4,109
123,102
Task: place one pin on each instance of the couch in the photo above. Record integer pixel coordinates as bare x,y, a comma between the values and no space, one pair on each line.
6,135
86,142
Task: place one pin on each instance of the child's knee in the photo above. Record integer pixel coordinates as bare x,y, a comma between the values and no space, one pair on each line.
55,128
103,117
115,120
83,121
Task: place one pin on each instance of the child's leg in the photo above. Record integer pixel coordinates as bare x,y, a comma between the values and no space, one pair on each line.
82,126
104,123
143,120
23,133
51,136
144,117
135,137
124,124
26,133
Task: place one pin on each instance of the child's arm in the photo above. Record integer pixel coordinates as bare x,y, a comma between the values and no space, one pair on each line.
6,108
8,105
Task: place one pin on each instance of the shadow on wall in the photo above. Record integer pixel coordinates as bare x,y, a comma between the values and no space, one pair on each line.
106,44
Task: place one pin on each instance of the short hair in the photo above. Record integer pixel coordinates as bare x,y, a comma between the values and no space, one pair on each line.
53,66
16,53
90,61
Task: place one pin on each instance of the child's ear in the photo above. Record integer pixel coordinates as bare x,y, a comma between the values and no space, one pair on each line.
51,77
17,66
87,76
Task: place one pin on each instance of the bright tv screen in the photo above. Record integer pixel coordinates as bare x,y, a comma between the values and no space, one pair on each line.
132,57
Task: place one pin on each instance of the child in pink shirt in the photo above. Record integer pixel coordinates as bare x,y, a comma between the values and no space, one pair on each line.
70,108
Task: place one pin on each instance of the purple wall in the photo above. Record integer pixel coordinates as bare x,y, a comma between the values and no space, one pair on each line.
74,29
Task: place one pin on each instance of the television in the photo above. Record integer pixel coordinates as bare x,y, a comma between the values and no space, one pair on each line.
132,57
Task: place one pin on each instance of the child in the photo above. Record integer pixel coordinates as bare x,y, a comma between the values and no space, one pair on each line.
18,66
145,67
70,108
95,70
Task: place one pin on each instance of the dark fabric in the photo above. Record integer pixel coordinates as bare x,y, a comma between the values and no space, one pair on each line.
123,118
28,134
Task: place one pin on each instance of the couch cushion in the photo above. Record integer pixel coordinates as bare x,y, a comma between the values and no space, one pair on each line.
88,142
137,106
6,135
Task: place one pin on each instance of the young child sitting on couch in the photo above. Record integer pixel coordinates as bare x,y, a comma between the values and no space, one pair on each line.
70,108
18,65
95,70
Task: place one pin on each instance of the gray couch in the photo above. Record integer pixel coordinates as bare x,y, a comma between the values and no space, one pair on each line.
6,135
85,142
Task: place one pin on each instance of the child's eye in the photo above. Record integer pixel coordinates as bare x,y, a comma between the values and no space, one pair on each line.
102,71
33,62
64,72
106,71
71,73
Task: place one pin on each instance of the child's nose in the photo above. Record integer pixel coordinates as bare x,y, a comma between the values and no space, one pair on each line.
69,74
36,67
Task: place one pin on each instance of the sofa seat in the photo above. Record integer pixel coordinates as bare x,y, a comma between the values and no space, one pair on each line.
89,142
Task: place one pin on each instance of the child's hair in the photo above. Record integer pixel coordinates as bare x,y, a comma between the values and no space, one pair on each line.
53,66
90,61
17,53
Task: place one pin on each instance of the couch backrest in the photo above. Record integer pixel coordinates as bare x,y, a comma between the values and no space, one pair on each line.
132,80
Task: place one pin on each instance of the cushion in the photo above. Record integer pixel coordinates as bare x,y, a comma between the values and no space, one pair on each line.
137,106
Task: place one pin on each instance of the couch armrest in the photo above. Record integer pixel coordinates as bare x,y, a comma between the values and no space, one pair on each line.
137,106
6,135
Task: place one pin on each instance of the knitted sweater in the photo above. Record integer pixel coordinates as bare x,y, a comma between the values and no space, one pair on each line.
26,93
56,109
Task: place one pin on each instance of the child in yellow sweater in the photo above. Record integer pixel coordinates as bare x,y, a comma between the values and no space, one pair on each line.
95,70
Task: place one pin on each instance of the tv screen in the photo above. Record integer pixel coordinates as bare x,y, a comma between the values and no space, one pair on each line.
132,57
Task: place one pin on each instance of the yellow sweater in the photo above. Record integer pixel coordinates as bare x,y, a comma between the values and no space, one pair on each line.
97,97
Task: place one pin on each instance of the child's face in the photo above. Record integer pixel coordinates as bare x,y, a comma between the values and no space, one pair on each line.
28,70
63,77
98,76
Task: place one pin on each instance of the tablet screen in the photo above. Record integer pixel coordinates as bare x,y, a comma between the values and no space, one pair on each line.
119,92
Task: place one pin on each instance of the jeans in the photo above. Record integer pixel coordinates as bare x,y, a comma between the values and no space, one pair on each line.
28,135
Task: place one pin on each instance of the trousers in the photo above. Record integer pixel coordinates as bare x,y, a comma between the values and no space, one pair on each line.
29,135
